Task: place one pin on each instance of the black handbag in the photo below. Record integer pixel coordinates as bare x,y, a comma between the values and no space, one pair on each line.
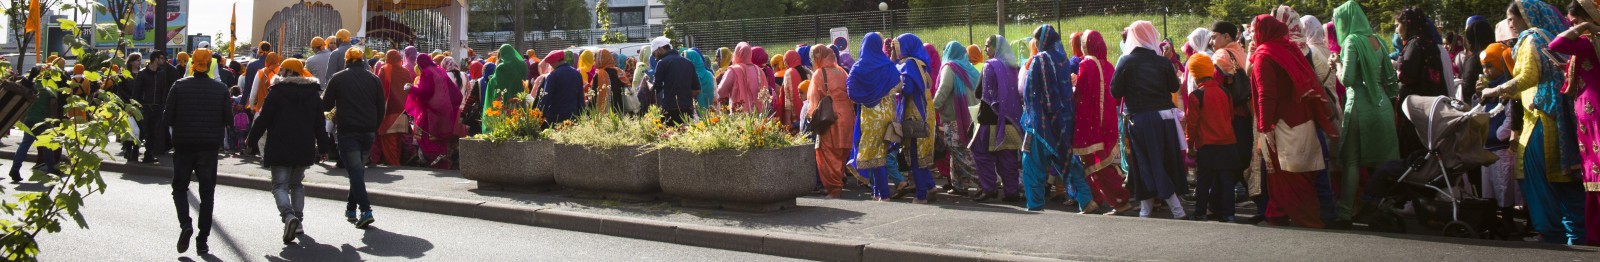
823,117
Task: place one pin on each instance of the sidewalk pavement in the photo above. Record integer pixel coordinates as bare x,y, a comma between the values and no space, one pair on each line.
853,229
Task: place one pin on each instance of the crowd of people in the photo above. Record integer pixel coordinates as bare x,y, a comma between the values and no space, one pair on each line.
1284,111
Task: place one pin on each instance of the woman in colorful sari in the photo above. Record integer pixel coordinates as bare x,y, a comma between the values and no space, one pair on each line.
607,83
805,56
872,83
779,67
1145,80
841,46
585,65
1420,70
506,82
740,86
915,108
994,149
1314,45
1076,46
472,102
1290,111
788,101
959,81
435,104
769,85
1047,118
396,79
1554,198
724,61
1583,43
1095,141
708,89
833,145
1367,136
409,56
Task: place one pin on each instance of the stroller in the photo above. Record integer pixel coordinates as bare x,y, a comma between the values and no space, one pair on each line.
1431,185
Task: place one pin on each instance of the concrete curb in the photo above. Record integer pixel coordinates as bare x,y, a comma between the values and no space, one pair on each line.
752,241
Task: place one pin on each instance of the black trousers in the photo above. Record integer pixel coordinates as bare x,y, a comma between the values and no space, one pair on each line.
202,165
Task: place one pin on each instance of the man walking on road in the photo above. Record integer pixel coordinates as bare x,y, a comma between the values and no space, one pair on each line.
197,109
355,98
292,113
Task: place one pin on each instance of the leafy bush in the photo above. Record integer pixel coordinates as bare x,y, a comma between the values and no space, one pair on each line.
714,131
606,130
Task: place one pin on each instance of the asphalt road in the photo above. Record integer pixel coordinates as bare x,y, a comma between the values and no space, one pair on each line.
134,221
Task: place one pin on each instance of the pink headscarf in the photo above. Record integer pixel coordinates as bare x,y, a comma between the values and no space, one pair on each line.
933,66
742,81
1333,37
433,101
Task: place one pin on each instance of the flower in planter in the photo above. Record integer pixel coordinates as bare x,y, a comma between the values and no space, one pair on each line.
519,121
607,130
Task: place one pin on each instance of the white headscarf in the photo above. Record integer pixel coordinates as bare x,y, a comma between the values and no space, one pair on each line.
1200,41
1142,34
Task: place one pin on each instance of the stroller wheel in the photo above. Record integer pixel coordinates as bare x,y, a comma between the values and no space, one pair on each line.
1460,229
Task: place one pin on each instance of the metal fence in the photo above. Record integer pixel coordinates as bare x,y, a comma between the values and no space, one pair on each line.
963,22
551,40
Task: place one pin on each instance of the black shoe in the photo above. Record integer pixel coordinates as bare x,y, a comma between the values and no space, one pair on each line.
983,196
200,247
289,230
183,239
1011,199
1228,219
16,178
1339,225
1195,217
1255,220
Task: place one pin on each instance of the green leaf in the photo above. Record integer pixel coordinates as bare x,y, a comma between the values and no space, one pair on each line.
77,52
91,76
67,24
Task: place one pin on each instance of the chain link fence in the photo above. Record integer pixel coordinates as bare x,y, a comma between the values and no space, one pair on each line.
966,23
560,39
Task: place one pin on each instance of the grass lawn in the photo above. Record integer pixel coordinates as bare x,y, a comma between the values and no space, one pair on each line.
1110,26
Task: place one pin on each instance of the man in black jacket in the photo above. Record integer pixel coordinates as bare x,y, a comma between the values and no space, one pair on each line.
198,111
154,83
355,98
676,84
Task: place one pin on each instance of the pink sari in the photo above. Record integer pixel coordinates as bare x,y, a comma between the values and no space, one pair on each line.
435,103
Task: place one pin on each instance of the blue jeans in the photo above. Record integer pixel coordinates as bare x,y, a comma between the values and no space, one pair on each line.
353,154
288,192
47,159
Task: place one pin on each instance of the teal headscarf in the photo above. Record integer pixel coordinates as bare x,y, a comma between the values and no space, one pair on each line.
1545,23
955,53
708,89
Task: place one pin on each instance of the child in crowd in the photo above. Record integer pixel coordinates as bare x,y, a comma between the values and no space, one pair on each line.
1208,115
241,123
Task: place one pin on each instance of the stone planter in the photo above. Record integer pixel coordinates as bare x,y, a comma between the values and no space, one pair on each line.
509,165
754,181
621,173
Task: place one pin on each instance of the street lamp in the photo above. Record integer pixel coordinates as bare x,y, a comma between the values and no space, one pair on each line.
884,7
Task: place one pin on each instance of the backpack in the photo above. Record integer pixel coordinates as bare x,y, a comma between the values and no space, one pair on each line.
1236,84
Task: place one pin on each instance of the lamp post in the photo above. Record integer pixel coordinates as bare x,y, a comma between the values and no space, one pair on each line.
884,7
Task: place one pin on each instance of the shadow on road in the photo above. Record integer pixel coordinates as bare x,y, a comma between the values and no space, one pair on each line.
384,243
307,249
